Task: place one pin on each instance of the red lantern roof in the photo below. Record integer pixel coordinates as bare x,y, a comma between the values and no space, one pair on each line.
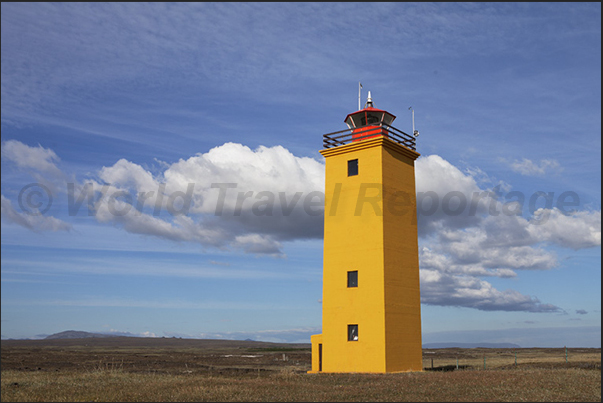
367,116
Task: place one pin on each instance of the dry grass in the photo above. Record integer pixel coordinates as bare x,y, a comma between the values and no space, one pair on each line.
113,384
181,370
503,358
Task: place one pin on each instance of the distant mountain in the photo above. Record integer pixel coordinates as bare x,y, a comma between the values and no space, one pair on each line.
470,345
74,334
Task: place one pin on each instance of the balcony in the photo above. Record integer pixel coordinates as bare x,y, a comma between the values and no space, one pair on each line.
348,136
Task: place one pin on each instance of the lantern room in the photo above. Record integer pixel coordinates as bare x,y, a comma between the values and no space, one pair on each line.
360,121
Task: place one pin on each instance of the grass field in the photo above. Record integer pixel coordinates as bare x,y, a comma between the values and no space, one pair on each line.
129,369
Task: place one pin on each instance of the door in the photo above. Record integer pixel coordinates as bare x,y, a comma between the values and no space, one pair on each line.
320,357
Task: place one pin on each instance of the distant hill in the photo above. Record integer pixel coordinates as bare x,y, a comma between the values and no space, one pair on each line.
74,334
470,345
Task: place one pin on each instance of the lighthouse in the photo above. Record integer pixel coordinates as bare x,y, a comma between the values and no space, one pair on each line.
371,312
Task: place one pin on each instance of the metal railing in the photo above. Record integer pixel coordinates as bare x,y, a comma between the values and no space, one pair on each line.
348,136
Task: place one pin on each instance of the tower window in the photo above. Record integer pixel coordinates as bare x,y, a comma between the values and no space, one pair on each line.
352,167
353,278
352,332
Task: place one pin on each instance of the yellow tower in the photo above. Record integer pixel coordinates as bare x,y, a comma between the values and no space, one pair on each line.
371,312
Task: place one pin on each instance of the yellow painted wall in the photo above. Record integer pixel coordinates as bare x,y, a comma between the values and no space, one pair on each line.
352,242
365,231
402,295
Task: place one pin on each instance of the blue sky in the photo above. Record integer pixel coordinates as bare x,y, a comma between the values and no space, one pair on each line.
131,101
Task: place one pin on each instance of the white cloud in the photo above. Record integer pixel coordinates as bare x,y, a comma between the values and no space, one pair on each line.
266,169
578,230
255,243
487,247
32,222
247,199
115,332
442,188
127,174
529,168
458,249
442,289
38,159
254,200
299,335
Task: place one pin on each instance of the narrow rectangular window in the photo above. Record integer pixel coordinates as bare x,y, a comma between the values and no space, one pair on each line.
352,167
352,332
353,278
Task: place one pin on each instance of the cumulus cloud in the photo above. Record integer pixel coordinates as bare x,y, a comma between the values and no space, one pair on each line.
488,237
447,197
578,230
443,289
127,174
484,237
242,198
36,222
255,200
273,170
496,247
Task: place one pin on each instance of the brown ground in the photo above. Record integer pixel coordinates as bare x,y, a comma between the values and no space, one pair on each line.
185,356
159,355
138,369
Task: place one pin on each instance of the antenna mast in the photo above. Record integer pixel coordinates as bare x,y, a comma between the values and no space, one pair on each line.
359,88
413,120
414,132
